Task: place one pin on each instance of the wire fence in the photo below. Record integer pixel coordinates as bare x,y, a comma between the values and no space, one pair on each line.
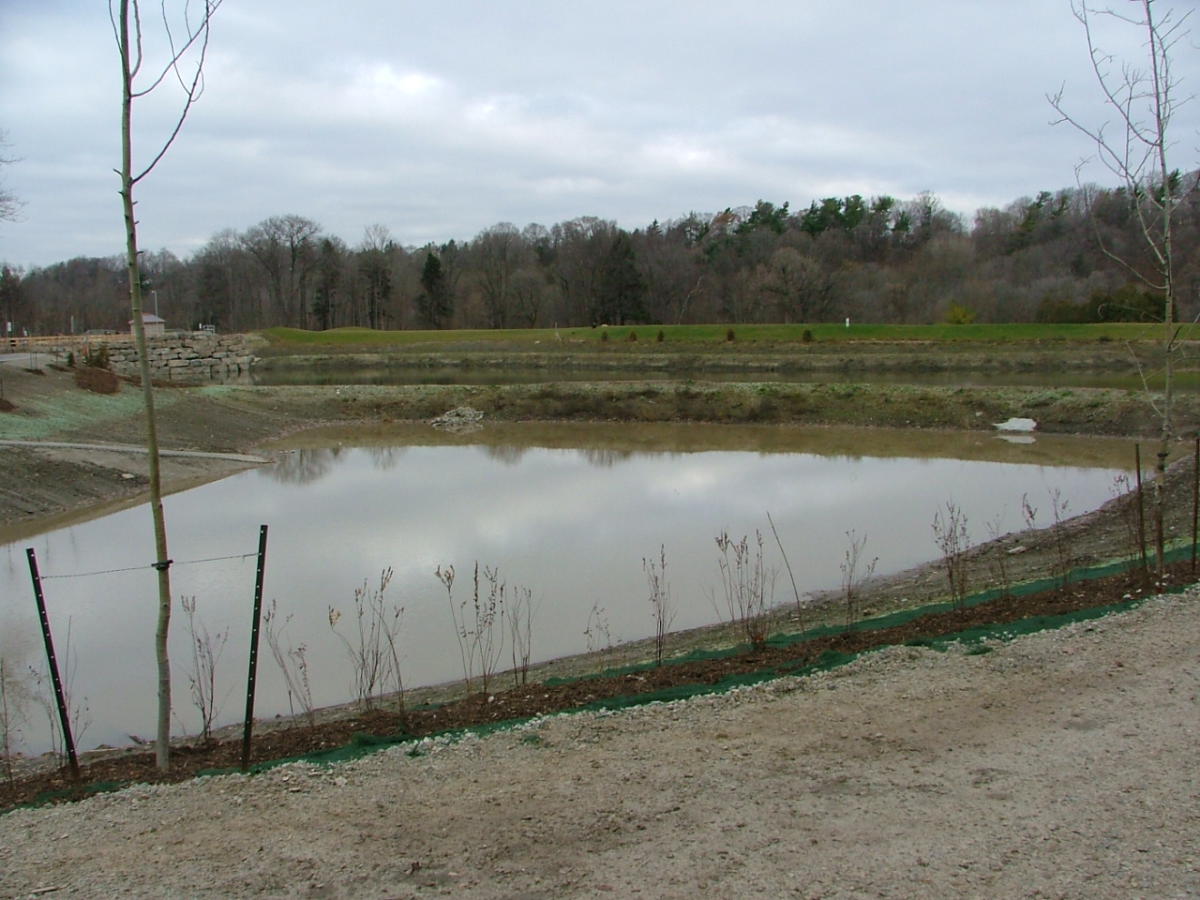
172,562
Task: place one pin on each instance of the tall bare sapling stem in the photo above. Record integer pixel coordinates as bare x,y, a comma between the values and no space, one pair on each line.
660,600
182,62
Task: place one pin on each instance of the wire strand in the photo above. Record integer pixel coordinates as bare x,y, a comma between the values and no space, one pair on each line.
178,562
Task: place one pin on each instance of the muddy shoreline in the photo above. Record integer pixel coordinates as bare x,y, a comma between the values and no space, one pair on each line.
49,482
53,486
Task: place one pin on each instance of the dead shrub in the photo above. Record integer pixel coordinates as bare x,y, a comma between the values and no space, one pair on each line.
98,381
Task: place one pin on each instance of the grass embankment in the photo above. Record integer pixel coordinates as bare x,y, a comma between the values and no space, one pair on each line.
829,352
1062,410
743,335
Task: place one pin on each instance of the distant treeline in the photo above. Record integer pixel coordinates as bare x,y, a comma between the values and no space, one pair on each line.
1071,256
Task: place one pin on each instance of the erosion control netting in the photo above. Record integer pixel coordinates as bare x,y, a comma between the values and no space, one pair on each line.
985,617
362,744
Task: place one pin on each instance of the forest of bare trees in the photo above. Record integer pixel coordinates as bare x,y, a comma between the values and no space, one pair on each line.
876,259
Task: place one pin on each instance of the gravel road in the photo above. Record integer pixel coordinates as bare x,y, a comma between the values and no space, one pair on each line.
1061,764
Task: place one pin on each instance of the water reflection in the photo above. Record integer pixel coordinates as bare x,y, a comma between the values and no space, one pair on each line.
507,454
567,511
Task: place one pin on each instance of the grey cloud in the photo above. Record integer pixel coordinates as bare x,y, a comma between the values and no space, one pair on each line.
441,119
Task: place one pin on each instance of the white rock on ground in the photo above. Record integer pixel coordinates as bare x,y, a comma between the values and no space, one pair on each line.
1017,424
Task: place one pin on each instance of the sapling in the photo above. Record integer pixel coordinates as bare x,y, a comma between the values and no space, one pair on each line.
852,577
489,623
480,629
800,607
748,585
78,711
374,651
660,600
519,616
1058,533
12,703
1126,503
1060,549
292,662
202,679
998,560
950,535
598,634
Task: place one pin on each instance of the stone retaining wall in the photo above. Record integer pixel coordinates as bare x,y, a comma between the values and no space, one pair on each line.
191,357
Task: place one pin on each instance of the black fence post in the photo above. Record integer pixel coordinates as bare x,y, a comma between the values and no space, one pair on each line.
1195,502
254,627
1141,509
64,714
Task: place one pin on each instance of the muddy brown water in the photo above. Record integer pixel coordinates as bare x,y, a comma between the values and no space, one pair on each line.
570,512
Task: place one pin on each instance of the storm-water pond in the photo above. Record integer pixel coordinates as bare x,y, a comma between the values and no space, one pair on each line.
567,511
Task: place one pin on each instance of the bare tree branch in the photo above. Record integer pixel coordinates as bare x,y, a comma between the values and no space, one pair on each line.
1144,100
9,204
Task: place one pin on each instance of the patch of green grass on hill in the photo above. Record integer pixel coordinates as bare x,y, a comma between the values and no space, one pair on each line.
714,335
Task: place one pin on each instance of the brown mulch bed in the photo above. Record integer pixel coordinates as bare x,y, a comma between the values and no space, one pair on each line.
539,699
97,380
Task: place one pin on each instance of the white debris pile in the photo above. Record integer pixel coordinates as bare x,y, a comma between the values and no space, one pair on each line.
1018,425
459,419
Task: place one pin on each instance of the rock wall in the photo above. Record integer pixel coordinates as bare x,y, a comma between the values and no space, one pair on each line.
191,357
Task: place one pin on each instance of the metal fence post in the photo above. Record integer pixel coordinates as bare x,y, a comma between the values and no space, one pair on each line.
64,714
254,627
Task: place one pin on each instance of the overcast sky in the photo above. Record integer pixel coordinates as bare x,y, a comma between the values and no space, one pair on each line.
439,119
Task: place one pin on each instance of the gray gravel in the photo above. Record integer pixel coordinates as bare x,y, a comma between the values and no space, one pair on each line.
1061,764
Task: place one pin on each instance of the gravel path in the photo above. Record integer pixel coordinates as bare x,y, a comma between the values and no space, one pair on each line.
1059,765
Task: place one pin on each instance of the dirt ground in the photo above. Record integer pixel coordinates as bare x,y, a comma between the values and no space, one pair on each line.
1056,765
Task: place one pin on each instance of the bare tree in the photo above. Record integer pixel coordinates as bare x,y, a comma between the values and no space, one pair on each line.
9,204
1143,97
183,62
286,248
498,252
375,255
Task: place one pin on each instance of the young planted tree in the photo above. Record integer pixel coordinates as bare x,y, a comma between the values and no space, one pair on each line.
660,600
1142,96
182,61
